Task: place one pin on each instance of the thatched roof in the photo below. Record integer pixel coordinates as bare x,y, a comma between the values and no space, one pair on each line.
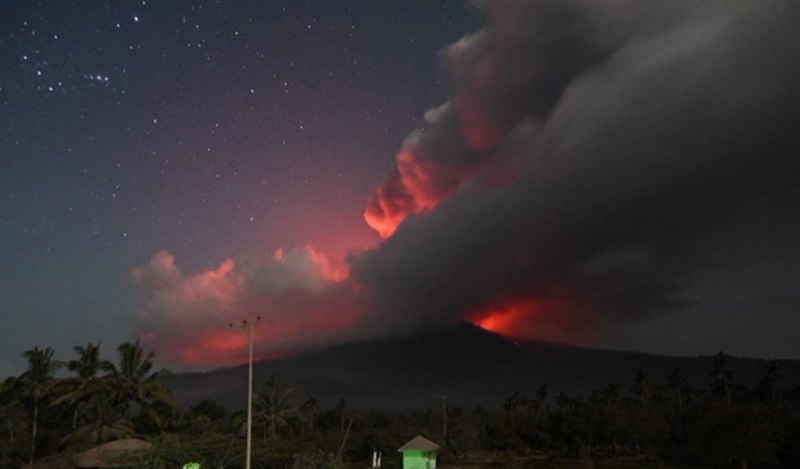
104,455
419,443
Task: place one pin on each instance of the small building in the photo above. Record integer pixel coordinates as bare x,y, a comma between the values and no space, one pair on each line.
419,453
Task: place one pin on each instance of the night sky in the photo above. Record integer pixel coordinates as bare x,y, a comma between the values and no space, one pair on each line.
608,174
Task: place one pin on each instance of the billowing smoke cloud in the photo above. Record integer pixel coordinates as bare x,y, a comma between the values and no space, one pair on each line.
590,148
508,75
299,295
597,161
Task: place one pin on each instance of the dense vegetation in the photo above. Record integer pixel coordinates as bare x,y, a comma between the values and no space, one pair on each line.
49,416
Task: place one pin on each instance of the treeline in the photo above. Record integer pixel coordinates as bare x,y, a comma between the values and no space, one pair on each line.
722,424
666,419
100,401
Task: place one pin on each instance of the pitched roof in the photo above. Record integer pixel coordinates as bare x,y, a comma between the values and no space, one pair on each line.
419,443
103,455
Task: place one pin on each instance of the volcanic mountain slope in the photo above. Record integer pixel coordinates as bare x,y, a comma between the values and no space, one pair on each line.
467,364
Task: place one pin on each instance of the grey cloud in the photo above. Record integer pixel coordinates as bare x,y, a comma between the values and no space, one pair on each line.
635,127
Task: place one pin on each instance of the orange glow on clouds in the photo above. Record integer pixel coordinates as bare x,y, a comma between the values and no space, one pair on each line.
418,184
301,296
555,319
224,343
509,320
389,206
433,165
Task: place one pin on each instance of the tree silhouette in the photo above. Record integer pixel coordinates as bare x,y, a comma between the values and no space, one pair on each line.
721,379
641,388
37,382
512,406
133,383
309,409
86,367
274,408
769,387
342,408
677,381
540,402
93,397
12,407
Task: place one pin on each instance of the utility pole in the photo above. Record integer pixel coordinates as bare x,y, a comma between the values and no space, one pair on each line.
444,417
249,325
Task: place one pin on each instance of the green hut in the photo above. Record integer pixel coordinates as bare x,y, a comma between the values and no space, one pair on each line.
419,453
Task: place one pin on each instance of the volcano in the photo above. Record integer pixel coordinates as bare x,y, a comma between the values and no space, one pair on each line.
469,365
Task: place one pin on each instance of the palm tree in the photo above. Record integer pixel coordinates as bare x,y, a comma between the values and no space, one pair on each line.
11,407
564,403
769,387
721,378
88,363
133,383
309,409
86,367
641,387
92,397
512,404
37,382
540,402
342,408
677,381
274,407
612,412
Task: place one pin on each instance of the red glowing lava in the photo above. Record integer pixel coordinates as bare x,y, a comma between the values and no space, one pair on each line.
554,319
513,319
